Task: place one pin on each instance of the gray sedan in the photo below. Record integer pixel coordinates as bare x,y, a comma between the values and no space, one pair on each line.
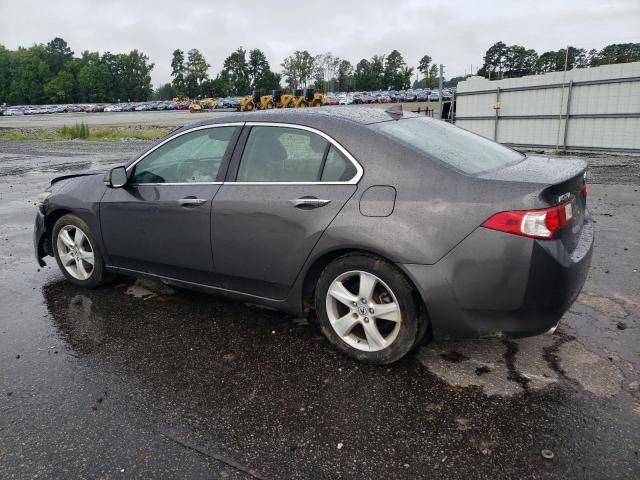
395,229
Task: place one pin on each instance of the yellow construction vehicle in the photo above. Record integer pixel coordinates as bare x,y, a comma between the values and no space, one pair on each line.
178,99
285,101
204,104
308,98
257,102
282,101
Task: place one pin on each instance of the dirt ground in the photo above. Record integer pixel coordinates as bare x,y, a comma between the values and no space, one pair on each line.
137,380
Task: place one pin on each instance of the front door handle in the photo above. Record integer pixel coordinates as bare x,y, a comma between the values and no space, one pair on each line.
309,203
191,202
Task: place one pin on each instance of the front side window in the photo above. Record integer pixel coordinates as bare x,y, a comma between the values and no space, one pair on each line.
282,154
193,157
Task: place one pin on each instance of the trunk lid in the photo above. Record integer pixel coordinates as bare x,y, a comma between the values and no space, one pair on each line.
559,180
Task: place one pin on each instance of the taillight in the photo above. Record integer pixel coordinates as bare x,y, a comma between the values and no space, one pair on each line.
584,191
541,224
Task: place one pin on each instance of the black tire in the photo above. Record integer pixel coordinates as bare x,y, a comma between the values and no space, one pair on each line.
412,322
98,274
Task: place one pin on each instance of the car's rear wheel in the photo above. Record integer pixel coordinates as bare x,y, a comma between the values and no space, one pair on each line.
76,252
367,309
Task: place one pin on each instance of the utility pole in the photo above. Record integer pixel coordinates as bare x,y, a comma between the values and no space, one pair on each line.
564,76
440,80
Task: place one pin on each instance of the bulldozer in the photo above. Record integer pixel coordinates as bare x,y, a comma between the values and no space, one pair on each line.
257,102
308,98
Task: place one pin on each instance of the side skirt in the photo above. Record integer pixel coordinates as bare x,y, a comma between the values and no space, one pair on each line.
281,305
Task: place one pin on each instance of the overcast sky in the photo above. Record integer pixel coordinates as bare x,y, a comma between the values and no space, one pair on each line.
453,32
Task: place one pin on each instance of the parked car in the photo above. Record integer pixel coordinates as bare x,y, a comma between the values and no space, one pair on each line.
346,99
12,112
127,107
410,96
435,230
422,96
434,96
331,100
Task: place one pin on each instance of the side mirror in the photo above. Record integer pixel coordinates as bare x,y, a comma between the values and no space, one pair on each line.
118,177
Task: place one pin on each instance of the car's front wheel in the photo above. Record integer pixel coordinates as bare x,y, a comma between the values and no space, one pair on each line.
367,309
76,252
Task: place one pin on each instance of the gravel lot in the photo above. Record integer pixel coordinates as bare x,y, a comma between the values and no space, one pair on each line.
138,380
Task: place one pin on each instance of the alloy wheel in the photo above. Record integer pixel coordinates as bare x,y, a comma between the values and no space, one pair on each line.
75,252
363,311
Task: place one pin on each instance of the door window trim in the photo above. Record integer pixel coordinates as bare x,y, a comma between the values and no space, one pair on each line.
353,181
225,159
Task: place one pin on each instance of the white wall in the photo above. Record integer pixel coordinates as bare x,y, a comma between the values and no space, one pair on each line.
591,133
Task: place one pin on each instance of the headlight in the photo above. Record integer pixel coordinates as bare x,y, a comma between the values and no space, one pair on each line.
42,197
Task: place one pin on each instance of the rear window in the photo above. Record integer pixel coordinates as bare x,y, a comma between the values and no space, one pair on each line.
454,147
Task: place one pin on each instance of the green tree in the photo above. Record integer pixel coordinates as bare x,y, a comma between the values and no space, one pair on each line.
30,72
362,75
377,79
6,67
494,59
237,70
197,72
298,69
616,53
257,68
165,92
94,79
393,70
405,76
58,53
518,61
134,81
433,76
269,81
178,72
61,88
345,76
423,66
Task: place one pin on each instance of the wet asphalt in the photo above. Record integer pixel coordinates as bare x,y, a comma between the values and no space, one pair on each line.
137,380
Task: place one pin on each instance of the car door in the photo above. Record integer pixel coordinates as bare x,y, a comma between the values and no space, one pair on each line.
283,189
160,221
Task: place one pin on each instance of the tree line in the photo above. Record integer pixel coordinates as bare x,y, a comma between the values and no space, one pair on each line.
244,72
52,74
509,61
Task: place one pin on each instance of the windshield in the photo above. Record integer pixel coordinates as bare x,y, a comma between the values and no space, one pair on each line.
454,147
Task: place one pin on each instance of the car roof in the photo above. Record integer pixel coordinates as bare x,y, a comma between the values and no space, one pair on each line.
306,116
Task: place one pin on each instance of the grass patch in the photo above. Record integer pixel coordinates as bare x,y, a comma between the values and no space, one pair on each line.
80,130
83,132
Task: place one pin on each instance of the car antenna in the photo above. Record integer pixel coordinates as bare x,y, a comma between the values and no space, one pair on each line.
395,111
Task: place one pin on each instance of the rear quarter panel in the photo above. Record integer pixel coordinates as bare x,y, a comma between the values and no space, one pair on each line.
435,207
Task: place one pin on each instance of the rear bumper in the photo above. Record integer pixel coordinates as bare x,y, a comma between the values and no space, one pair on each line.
495,284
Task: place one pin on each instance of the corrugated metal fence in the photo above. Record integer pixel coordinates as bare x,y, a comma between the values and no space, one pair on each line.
584,109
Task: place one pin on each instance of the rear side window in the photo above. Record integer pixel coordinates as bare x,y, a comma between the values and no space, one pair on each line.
454,147
337,168
282,154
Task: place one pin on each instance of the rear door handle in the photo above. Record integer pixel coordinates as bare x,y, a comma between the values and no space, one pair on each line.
191,202
309,203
